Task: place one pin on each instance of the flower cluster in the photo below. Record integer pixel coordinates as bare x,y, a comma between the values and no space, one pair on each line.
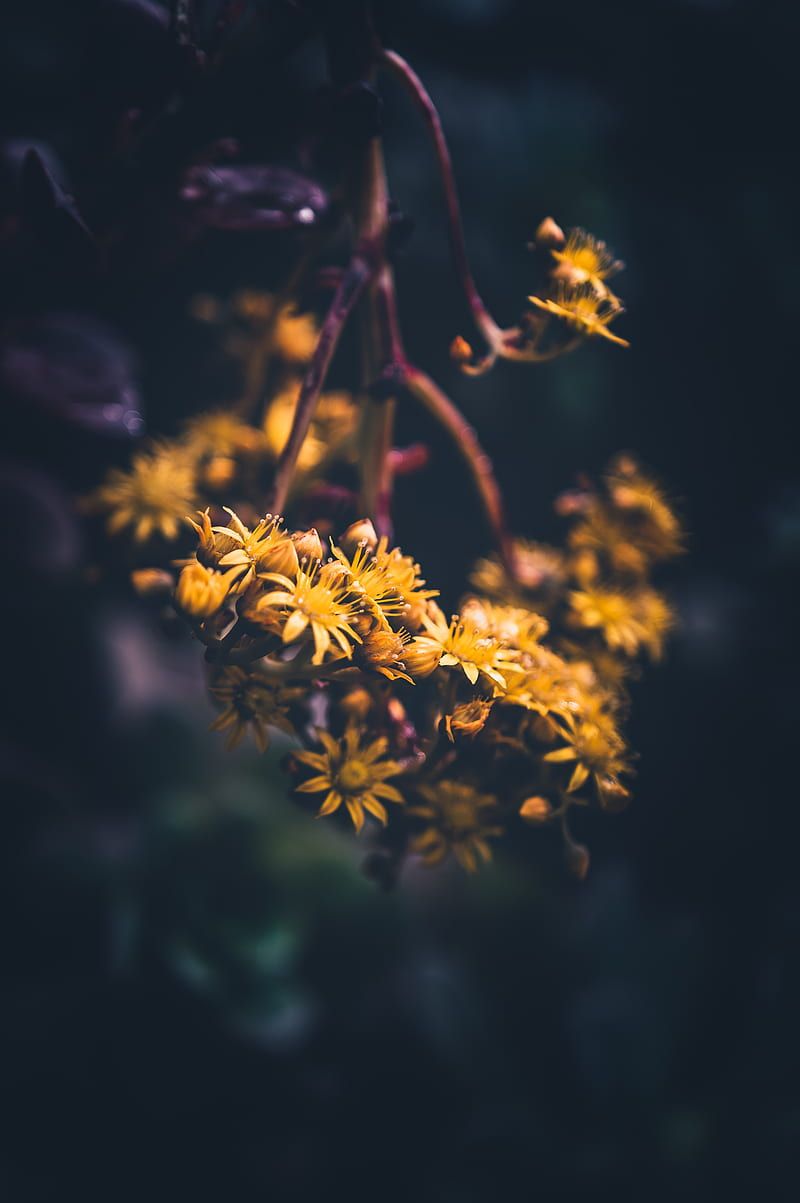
223,451
448,732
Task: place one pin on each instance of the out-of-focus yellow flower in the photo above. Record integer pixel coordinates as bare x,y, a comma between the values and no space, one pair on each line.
294,335
335,421
249,699
152,497
316,600
538,570
458,819
584,259
585,310
354,772
221,433
627,621
202,591
594,745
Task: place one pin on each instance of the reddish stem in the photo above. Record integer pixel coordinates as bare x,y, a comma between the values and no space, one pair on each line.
442,408
419,94
353,283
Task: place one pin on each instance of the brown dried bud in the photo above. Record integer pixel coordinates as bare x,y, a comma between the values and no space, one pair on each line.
468,718
308,544
460,350
536,809
358,534
549,234
152,582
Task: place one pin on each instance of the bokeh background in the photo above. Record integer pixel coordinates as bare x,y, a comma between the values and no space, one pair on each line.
203,996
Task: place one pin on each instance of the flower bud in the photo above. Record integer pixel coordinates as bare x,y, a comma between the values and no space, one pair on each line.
200,591
468,718
358,534
421,656
535,809
308,544
460,350
152,582
280,557
549,234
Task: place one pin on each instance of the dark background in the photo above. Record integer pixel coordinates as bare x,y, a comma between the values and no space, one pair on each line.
203,997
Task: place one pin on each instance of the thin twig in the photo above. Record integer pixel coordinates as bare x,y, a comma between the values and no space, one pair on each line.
354,281
443,409
418,92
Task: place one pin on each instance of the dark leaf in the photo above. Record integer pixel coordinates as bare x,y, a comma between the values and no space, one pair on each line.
251,197
75,368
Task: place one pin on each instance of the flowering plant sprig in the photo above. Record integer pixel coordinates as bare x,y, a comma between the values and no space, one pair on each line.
467,724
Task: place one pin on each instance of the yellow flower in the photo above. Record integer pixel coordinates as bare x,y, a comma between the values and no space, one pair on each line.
221,433
596,747
403,574
318,600
538,569
267,546
335,420
370,580
459,819
201,591
585,260
627,621
460,643
152,497
294,335
612,613
250,699
352,772
586,310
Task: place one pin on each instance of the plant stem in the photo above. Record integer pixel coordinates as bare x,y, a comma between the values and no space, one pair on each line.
353,283
442,408
419,94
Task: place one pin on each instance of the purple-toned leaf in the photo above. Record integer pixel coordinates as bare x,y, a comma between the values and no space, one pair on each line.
76,369
50,211
251,197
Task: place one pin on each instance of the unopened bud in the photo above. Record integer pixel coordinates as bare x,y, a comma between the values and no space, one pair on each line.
308,544
460,350
549,234
361,533
201,591
357,703
421,656
280,557
536,809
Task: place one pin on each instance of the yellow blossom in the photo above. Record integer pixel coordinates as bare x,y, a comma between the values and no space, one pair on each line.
460,643
584,309
201,591
458,819
266,546
152,497
317,600
584,259
354,772
468,718
250,699
538,569
335,421
221,433
594,745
